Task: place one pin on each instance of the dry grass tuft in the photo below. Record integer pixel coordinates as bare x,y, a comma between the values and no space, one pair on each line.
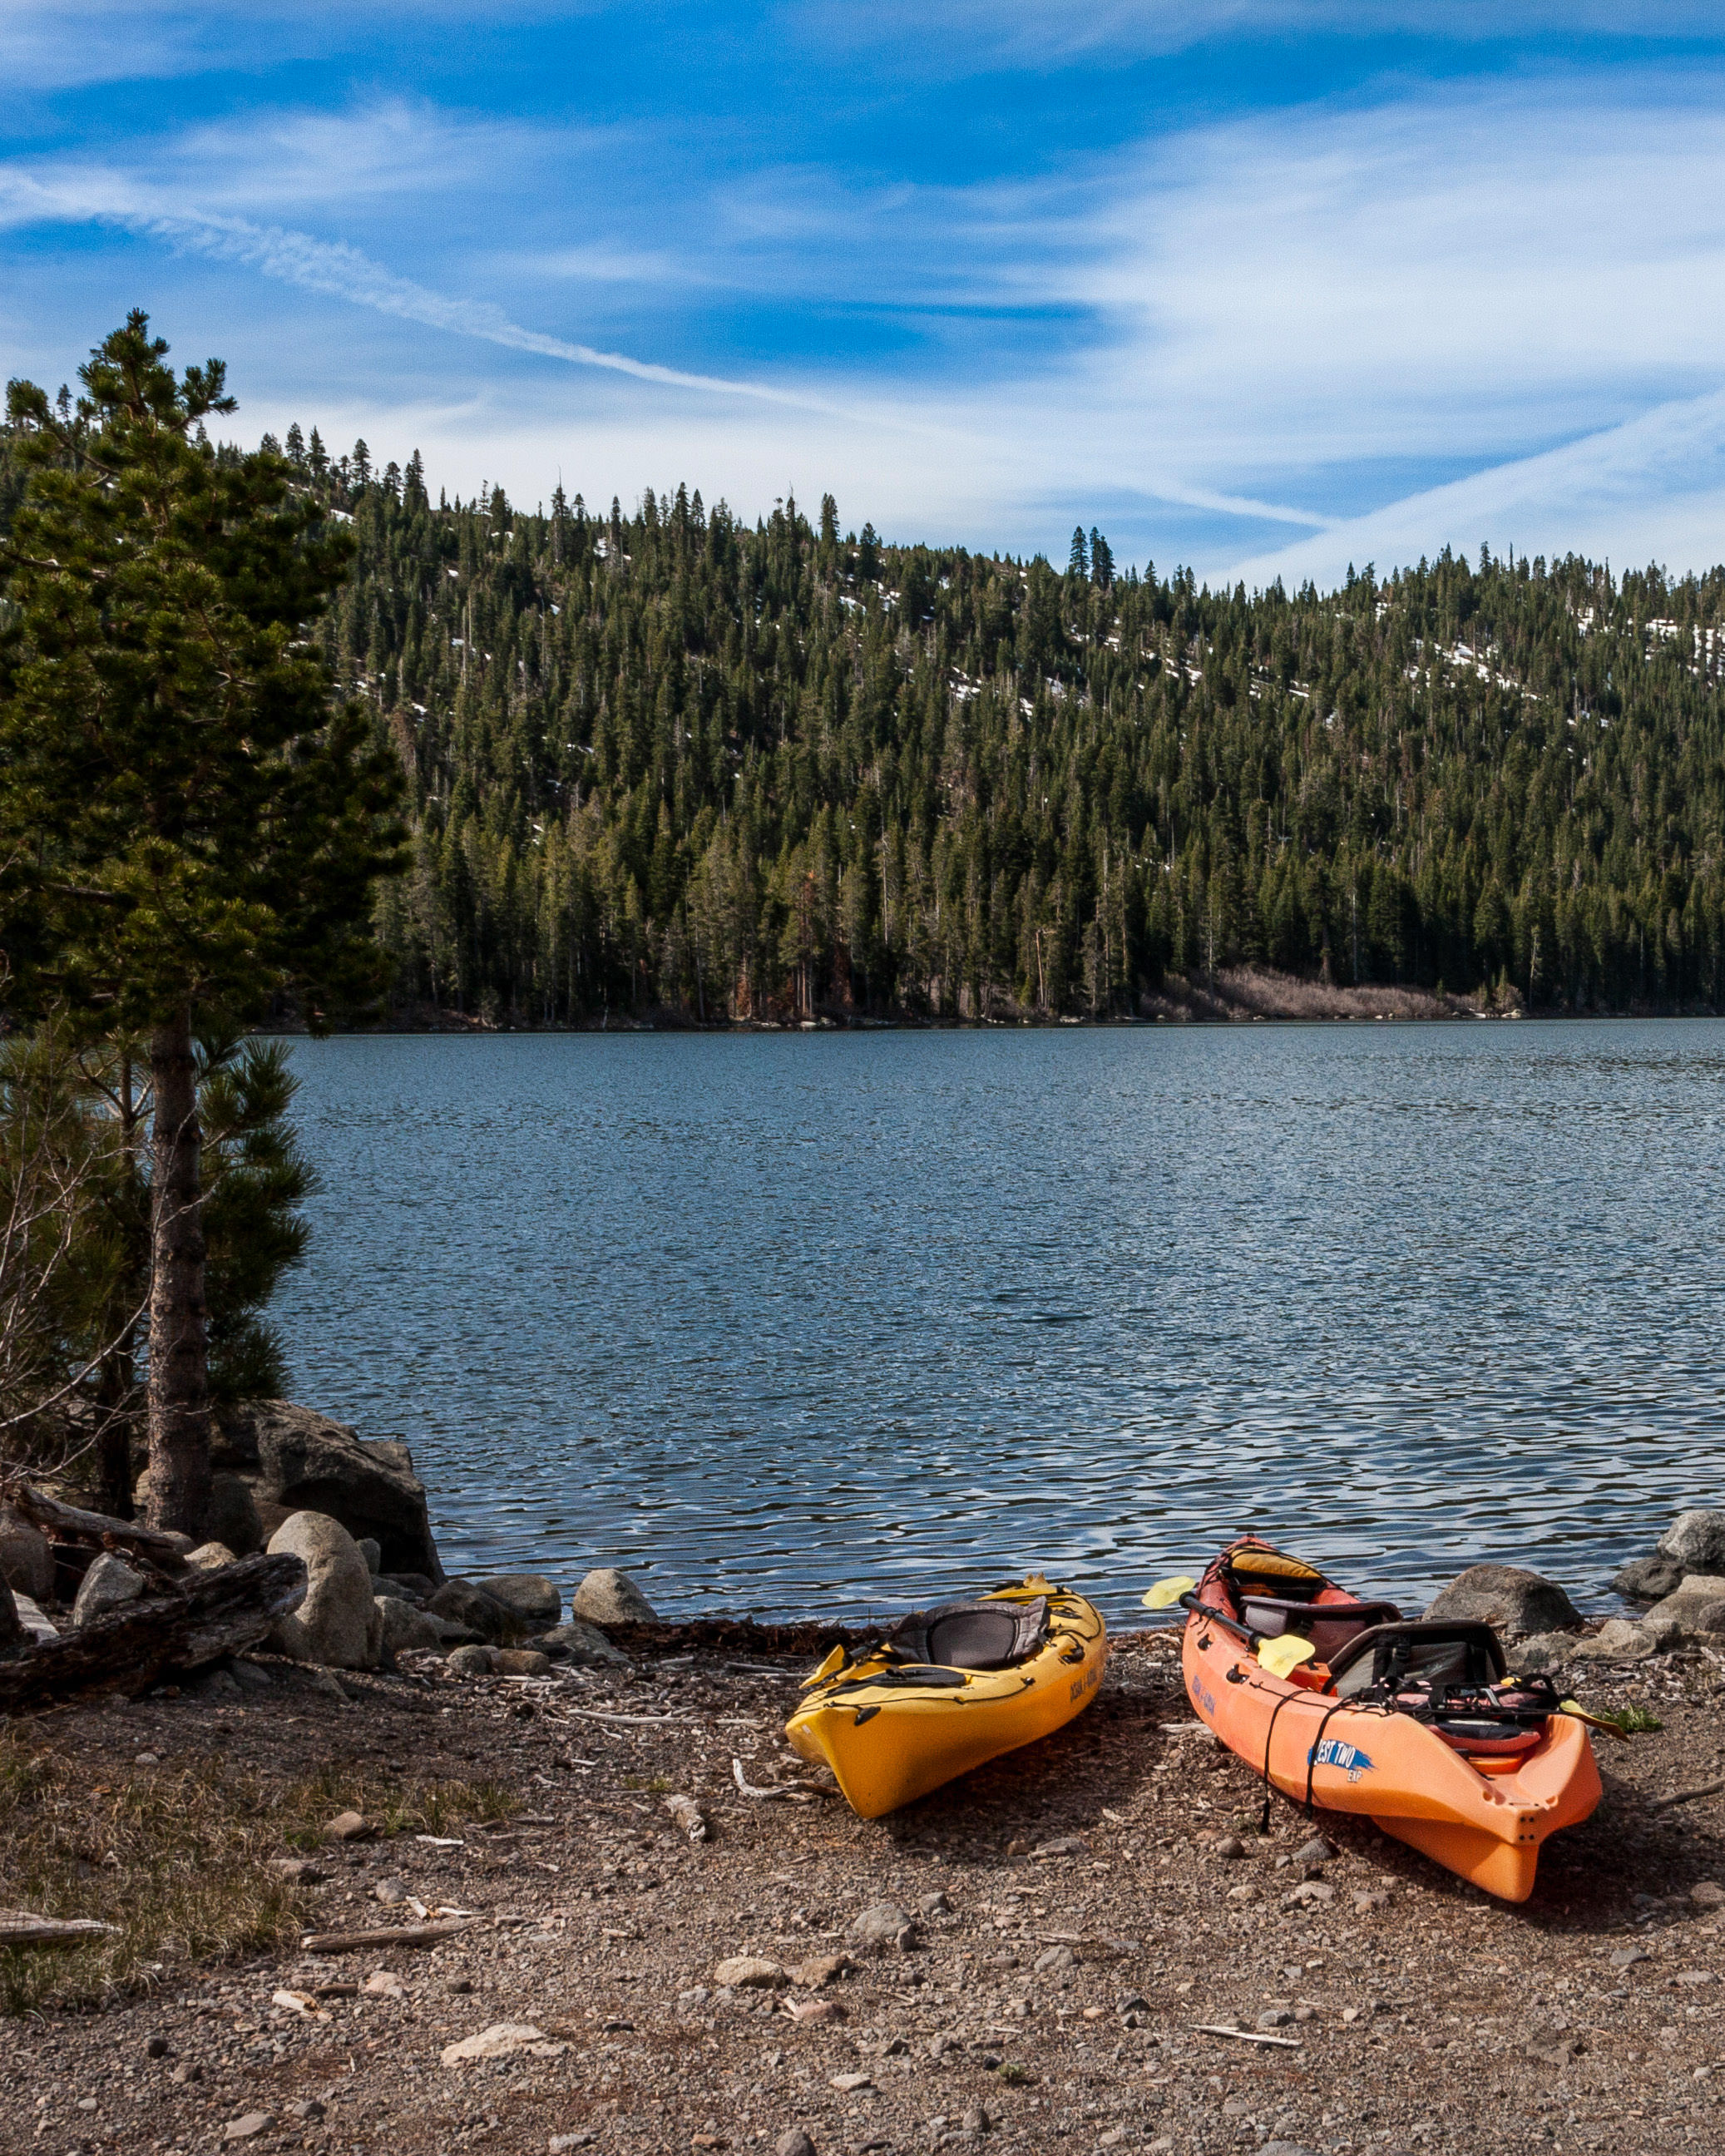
177,1859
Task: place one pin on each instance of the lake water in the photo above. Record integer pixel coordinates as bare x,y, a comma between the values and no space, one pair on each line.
794,1323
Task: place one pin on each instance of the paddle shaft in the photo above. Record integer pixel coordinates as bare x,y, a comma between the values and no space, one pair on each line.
1210,1611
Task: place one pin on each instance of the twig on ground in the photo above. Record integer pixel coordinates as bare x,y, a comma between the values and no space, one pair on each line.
384,1935
1247,2036
1687,1796
797,1793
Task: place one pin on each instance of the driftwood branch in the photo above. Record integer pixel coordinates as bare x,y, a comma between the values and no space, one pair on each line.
18,1927
70,1523
209,1615
386,1935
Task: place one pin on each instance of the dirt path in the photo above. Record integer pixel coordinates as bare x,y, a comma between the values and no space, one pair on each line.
1071,1923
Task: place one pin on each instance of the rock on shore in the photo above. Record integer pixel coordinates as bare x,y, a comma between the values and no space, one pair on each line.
338,1626
608,1596
1514,1601
290,1459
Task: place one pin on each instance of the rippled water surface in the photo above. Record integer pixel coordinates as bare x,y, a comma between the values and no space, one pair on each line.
793,1321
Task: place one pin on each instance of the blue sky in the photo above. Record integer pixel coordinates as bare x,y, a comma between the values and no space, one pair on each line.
1266,286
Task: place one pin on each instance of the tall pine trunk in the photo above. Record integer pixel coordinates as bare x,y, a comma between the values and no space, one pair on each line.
179,1348
116,1382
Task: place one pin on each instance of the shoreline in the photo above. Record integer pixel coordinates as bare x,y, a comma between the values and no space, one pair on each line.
1075,1924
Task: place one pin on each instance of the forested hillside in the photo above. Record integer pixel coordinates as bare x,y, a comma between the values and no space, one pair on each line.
668,762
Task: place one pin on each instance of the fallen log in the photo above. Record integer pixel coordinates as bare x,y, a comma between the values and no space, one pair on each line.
19,1928
205,1616
70,1523
386,1935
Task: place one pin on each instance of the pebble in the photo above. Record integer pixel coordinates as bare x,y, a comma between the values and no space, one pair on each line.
182,2074
1317,1850
1310,1891
976,2120
384,1983
935,1905
1069,1845
1693,1976
155,2047
1286,2148
1275,2017
848,2084
308,2110
459,1985
802,2011
821,1968
1706,1895
1230,1845
1054,1958
298,1871
347,1826
248,2126
392,1892
503,2040
1627,1956
561,2143
883,1925
519,1662
794,2143
147,1759
748,1972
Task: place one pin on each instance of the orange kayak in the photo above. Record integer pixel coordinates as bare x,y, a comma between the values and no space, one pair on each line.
1415,1726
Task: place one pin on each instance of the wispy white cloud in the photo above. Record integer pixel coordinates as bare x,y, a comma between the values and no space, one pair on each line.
972,37
1652,489
63,44
1217,333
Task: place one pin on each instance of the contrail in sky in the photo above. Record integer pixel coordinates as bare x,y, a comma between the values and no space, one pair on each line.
339,271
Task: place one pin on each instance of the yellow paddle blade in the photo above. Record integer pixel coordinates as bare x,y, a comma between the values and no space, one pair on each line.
1594,1721
1167,1593
1286,1653
830,1667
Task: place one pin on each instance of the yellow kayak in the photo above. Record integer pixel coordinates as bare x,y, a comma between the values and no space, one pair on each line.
947,1690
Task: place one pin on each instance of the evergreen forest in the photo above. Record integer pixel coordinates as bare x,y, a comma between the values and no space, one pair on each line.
664,764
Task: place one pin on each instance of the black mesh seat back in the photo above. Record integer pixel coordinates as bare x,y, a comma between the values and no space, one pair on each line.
1330,1626
972,1635
1453,1653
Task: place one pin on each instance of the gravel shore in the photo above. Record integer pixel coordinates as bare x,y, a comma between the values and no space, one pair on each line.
1068,1923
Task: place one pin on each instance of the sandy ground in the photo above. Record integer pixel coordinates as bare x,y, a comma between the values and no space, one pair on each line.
1073,1923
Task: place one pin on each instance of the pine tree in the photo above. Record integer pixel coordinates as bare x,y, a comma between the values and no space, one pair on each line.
188,829
1078,561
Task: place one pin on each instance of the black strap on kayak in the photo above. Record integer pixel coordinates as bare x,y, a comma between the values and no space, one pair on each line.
1311,1756
1270,1786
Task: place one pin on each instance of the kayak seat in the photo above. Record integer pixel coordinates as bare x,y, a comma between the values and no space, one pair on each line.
1330,1626
972,1635
1455,1652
